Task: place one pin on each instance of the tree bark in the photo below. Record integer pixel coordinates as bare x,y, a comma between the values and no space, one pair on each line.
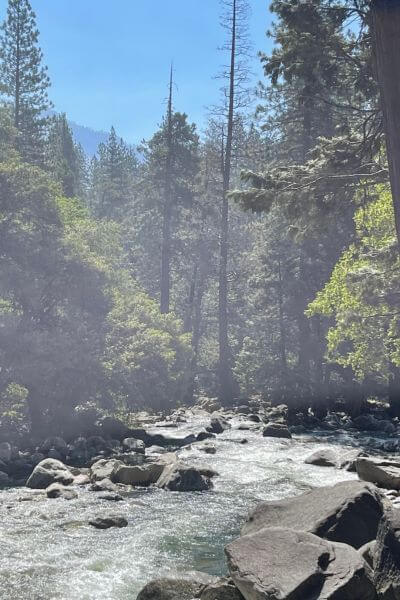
386,33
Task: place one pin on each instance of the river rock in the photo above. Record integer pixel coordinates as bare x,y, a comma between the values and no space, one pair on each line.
348,461
208,448
283,564
130,458
386,555
56,490
182,478
144,475
322,458
134,445
370,423
103,469
205,435
105,522
54,443
254,418
5,452
104,485
277,430
224,589
4,479
182,588
384,473
347,512
218,425
49,471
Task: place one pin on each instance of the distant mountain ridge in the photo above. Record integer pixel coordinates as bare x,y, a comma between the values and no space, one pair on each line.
88,138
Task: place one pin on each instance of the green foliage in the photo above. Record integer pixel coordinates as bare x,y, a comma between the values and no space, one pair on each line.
362,295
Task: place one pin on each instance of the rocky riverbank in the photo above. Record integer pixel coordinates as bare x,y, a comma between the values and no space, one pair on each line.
118,507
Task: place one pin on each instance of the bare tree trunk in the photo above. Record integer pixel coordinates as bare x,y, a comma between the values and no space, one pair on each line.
167,216
226,381
386,28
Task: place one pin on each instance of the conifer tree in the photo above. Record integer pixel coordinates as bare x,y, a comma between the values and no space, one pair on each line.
23,78
64,157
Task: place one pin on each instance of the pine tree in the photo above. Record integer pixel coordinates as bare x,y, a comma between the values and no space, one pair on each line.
23,78
64,157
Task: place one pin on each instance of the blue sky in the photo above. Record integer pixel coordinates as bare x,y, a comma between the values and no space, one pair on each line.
109,61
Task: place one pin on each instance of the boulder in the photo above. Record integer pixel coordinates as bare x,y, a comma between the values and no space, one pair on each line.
218,425
284,564
208,448
322,458
103,469
133,445
105,522
367,552
205,435
254,418
277,430
105,485
182,478
49,471
224,589
370,423
56,490
5,452
348,461
182,588
384,473
144,475
54,443
386,557
110,497
110,427
130,458
4,479
347,512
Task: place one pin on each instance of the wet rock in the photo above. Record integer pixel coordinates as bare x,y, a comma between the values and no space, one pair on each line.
5,452
205,435
224,589
4,479
144,475
208,448
133,445
218,425
49,471
105,485
322,458
130,458
370,423
56,490
285,564
110,497
183,478
209,404
254,418
105,522
277,430
348,461
103,469
182,588
110,427
96,444
347,512
386,557
384,473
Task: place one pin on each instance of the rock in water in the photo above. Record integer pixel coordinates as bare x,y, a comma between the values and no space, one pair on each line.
49,471
108,521
283,564
56,490
138,475
347,512
103,469
184,588
386,557
384,473
133,445
181,478
218,425
224,589
322,458
277,430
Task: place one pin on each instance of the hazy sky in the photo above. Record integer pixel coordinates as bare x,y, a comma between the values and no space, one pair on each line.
109,60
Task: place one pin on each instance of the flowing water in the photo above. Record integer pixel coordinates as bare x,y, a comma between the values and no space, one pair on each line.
48,551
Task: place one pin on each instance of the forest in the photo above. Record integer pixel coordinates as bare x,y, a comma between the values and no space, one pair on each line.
256,259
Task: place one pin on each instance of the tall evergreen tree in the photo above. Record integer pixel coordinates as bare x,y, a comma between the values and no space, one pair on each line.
23,78
64,157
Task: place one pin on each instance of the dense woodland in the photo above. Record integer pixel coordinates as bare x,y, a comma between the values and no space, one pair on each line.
257,258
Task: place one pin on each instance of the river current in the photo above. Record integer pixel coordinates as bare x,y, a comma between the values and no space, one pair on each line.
49,552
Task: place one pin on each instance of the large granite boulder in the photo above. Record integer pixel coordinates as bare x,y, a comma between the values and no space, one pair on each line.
56,490
108,521
386,557
141,475
109,427
218,425
283,564
182,478
277,430
348,460
384,473
322,458
49,471
186,587
347,512
133,445
103,468
224,589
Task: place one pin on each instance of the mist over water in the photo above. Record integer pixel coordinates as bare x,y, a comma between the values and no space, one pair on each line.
50,552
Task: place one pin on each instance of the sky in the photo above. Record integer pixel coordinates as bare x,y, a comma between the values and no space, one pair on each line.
109,61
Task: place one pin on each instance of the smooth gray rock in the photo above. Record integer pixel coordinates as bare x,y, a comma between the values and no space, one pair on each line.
186,587
386,557
144,475
207,448
322,458
107,521
103,469
384,473
218,425
104,485
49,471
224,589
277,430
134,445
347,512
113,428
283,564
348,460
56,490
367,552
182,478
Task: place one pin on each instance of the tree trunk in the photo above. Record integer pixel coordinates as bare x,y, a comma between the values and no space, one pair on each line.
282,331
386,30
167,216
227,387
